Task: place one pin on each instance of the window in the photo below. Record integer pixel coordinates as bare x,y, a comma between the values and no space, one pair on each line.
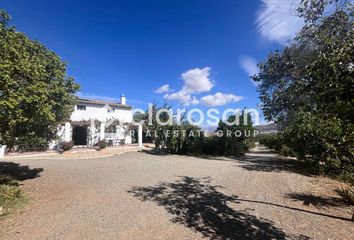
81,107
110,110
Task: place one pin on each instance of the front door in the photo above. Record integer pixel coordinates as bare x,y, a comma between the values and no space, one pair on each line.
80,135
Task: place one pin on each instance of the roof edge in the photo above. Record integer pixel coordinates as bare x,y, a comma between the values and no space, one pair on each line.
101,102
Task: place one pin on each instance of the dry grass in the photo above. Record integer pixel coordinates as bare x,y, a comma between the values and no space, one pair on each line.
11,197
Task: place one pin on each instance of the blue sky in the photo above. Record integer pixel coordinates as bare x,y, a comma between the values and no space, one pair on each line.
204,50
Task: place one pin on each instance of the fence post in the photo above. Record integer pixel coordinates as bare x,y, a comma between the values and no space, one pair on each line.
140,135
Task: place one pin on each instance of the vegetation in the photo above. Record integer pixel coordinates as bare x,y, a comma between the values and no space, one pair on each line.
65,146
101,144
36,93
169,136
347,194
276,142
185,138
11,196
236,139
307,89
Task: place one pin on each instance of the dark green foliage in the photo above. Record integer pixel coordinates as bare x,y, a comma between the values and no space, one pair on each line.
307,88
36,94
101,144
219,146
65,146
326,144
276,142
231,144
210,146
188,140
173,138
185,138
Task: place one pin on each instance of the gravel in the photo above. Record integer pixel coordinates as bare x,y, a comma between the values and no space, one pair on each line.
139,195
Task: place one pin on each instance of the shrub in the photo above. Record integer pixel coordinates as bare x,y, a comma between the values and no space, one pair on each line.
210,146
8,193
347,194
230,144
31,143
325,143
286,151
272,141
189,138
65,146
187,141
7,179
10,198
101,144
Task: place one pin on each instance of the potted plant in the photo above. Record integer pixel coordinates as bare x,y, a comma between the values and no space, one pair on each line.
65,146
101,144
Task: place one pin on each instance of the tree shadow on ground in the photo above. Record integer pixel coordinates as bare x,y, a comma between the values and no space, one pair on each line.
265,163
198,205
317,201
162,152
155,151
271,164
14,171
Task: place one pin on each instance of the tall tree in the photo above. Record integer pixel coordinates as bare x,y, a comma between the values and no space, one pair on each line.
36,93
308,87
236,138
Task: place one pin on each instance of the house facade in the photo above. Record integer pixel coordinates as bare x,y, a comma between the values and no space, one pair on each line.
94,120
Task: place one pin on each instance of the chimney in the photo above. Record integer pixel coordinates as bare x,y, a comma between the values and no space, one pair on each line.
122,100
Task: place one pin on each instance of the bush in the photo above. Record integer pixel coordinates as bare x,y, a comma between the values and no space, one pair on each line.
286,151
101,144
324,143
347,194
9,193
186,141
210,146
65,146
6,179
229,144
272,141
189,138
10,198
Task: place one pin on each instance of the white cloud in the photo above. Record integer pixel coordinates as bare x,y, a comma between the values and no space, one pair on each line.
219,99
249,65
197,80
183,97
277,20
194,101
163,89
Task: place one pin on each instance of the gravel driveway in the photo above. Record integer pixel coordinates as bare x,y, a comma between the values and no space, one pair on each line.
144,196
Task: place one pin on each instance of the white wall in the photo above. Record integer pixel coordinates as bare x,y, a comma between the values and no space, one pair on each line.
101,114
95,112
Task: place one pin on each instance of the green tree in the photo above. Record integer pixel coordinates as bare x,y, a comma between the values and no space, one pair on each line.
307,88
36,93
236,138
175,138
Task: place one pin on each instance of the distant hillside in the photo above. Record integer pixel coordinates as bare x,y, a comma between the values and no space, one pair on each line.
268,128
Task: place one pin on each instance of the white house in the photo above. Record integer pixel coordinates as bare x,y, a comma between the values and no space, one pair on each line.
94,120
